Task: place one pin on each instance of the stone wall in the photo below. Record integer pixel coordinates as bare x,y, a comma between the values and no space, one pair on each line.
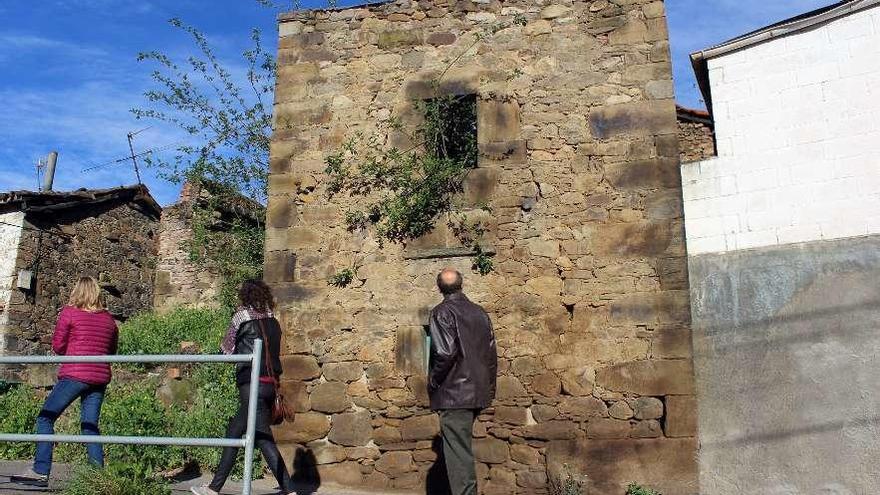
179,280
696,139
111,241
579,163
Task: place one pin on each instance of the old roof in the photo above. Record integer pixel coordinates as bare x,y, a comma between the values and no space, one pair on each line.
232,202
774,31
693,115
51,201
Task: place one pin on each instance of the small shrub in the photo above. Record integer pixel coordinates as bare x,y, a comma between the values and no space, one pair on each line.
636,489
132,410
116,479
342,279
209,412
151,333
567,483
19,407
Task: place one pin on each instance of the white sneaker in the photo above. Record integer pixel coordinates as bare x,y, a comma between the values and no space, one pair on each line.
31,477
203,490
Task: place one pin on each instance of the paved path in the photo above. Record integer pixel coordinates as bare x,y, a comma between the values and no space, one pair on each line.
61,472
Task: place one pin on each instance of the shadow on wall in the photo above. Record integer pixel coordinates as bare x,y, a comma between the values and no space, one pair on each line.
867,424
437,480
305,474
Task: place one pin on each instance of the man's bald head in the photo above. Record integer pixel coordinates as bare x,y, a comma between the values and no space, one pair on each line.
449,281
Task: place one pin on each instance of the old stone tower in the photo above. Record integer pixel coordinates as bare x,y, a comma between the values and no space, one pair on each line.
579,163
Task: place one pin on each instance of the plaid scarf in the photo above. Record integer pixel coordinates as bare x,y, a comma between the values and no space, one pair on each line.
242,315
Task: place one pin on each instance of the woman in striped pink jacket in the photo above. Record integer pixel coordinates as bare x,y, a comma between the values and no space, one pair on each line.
84,328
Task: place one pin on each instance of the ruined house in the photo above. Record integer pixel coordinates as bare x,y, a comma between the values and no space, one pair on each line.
696,134
50,238
182,280
579,162
783,232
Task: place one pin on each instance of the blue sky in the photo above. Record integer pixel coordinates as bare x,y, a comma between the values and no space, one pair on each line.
69,74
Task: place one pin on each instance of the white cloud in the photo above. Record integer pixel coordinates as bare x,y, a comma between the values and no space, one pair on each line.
37,43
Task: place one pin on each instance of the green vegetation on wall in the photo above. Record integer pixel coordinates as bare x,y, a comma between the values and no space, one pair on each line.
406,189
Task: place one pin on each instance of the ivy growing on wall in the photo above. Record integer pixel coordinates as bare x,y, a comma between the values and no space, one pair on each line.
228,234
406,191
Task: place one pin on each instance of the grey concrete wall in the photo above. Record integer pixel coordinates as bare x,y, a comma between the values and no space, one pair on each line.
787,356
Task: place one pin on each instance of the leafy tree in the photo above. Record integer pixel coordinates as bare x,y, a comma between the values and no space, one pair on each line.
228,124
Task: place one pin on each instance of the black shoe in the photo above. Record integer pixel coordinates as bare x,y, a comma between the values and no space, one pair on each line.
31,478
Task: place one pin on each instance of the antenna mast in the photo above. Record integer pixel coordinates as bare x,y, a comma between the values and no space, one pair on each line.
131,135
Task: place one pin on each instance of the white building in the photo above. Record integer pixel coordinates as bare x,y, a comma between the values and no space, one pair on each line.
783,235
796,110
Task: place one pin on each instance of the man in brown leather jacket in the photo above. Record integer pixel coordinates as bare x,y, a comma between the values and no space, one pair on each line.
461,382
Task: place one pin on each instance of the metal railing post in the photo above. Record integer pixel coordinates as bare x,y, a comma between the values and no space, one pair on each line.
250,436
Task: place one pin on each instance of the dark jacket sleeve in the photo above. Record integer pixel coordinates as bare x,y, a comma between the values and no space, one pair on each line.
493,359
446,347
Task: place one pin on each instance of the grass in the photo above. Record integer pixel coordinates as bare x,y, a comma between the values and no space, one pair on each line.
636,489
152,333
114,480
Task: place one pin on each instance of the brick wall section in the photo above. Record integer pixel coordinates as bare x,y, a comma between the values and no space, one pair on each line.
579,162
798,140
112,242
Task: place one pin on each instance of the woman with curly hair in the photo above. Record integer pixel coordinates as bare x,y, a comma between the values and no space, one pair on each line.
254,319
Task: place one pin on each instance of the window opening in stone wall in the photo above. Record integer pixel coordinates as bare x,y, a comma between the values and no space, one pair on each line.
451,128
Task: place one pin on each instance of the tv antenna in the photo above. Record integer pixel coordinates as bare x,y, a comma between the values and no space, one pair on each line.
137,155
39,166
131,136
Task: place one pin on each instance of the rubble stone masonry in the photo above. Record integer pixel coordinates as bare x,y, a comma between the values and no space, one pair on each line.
113,242
697,141
180,281
579,163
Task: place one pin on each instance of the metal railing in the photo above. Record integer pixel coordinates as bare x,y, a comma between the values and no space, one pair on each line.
247,442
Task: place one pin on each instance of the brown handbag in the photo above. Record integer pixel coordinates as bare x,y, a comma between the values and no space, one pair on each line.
280,411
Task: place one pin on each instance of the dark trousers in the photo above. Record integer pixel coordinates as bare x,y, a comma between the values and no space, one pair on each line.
264,439
63,394
456,427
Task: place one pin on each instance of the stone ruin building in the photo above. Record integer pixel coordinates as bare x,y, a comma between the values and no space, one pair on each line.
121,236
579,162
696,135
50,238
181,281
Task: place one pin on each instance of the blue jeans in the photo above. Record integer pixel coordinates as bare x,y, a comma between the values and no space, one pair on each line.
62,395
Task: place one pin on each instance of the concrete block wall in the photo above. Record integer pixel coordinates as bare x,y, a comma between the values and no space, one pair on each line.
782,236
798,127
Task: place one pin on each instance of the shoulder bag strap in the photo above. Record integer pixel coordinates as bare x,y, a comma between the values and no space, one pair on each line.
266,352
